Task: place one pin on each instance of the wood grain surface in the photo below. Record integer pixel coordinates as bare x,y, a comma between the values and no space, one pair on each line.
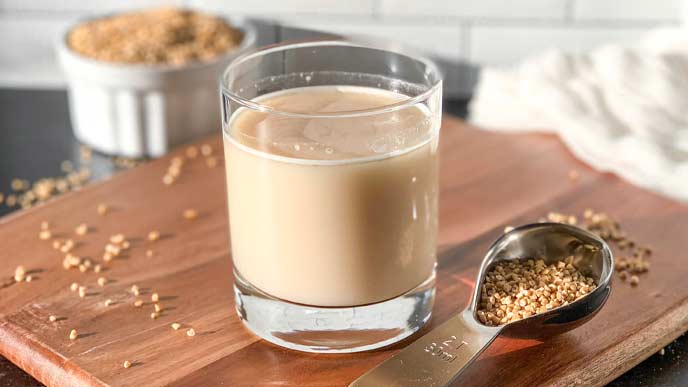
488,181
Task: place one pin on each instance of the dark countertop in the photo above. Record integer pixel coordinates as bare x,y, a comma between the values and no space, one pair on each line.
38,120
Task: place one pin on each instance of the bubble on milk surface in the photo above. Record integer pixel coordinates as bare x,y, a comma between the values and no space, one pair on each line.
369,135
332,137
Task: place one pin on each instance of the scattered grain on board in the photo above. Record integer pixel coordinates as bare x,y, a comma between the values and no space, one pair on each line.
67,166
138,303
71,261
20,273
114,250
67,262
154,315
177,161
18,185
73,334
562,218
191,332
108,302
632,261
155,297
157,307
67,246
74,286
126,364
82,291
135,290
102,209
190,214
28,194
634,280
81,229
176,326
153,236
191,152
85,153
124,162
117,238
173,170
149,253
52,318
102,281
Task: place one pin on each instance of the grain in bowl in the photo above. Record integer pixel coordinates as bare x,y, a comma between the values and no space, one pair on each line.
141,83
157,36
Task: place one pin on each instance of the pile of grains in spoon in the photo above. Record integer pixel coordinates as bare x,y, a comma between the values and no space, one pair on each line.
514,290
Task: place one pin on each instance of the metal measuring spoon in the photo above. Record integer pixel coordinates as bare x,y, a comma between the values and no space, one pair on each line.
438,357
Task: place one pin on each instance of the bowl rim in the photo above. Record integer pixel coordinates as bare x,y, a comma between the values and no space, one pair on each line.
243,24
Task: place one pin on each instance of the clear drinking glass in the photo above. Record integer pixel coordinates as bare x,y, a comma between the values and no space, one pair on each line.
332,179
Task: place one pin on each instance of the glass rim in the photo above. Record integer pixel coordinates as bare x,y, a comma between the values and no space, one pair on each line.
257,106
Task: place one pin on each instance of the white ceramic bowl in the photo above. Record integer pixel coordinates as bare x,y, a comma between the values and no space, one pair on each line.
137,110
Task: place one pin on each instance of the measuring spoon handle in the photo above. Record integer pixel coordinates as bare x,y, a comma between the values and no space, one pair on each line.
436,358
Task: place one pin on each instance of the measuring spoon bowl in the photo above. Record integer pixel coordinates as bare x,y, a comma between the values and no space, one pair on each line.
438,357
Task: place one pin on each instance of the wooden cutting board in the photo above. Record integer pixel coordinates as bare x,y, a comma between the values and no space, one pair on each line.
488,181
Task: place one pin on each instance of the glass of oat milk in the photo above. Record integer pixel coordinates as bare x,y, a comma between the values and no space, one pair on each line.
331,150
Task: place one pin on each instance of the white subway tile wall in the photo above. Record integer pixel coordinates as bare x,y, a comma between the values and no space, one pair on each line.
518,42
27,56
478,9
447,40
81,6
275,8
470,33
615,10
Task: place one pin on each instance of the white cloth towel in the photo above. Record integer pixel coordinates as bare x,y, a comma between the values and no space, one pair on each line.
622,109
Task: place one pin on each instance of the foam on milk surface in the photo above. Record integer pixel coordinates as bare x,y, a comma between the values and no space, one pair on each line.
332,138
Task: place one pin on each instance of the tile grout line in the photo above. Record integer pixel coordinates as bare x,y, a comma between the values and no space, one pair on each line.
569,9
376,10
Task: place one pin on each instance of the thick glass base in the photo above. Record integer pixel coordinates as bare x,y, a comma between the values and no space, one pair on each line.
334,329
